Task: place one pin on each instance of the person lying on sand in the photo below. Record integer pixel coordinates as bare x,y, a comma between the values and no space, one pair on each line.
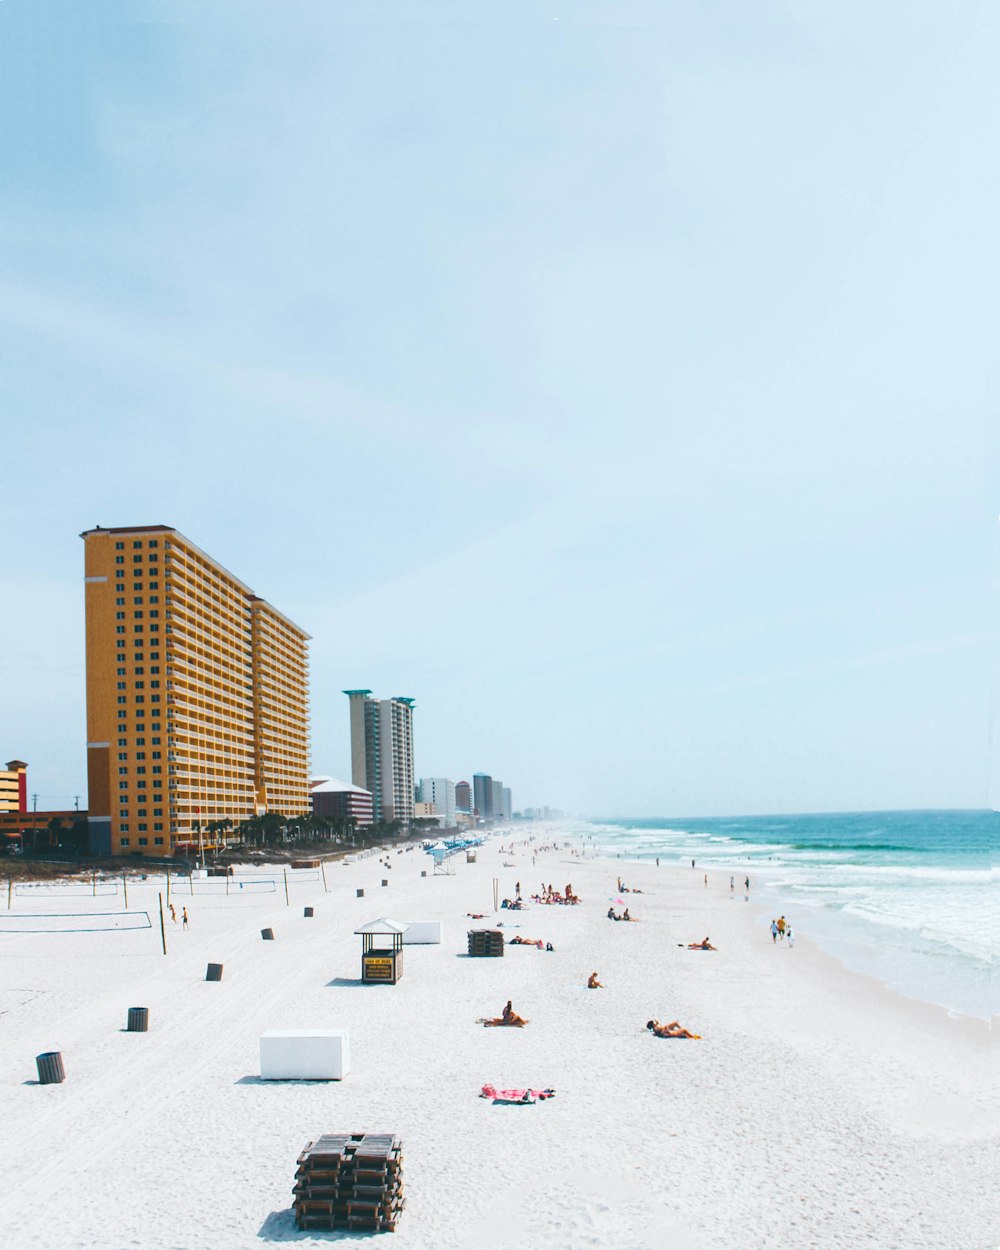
525,941
703,945
508,1019
593,983
673,1029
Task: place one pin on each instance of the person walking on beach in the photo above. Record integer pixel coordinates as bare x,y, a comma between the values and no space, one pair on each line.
184,917
732,884
747,884
173,912
692,863
706,880
790,935
781,927
774,930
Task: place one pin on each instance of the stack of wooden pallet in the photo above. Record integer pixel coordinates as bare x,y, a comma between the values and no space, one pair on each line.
350,1180
485,943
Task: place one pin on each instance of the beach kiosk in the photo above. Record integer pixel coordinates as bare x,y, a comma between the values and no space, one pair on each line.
382,950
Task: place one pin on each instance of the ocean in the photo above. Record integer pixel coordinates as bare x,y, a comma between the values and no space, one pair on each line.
908,897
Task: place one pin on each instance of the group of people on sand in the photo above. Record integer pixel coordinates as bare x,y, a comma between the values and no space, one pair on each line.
624,889
613,915
549,895
184,915
509,1018
780,930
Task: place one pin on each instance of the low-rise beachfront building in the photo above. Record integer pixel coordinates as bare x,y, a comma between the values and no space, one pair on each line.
339,800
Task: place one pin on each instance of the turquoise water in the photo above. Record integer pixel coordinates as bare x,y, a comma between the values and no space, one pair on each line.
905,896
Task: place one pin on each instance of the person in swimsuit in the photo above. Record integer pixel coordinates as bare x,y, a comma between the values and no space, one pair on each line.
509,1018
673,1029
593,983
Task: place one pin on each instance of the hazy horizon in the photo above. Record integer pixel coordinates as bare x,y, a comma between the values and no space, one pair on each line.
610,378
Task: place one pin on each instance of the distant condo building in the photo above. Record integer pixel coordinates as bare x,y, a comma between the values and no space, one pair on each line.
336,800
382,752
14,787
482,795
440,792
197,696
491,797
463,797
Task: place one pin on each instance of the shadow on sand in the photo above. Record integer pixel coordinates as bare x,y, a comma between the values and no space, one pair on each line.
280,1226
290,1080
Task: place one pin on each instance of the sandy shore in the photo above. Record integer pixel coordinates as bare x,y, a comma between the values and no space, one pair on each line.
819,1110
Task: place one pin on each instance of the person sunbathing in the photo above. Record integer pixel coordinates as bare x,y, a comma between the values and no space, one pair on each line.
673,1029
526,941
508,1019
593,983
703,945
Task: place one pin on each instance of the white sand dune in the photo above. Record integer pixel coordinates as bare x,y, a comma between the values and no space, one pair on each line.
820,1110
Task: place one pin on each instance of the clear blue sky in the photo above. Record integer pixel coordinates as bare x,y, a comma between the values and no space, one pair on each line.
609,377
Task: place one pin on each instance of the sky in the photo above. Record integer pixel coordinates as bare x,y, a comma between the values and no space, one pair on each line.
611,378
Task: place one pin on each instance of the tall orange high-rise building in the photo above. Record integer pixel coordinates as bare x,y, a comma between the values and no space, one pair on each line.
197,696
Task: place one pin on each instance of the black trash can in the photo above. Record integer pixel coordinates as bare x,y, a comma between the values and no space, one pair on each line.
385,880
423,873
307,911
138,1020
50,1068
361,893
214,972
267,935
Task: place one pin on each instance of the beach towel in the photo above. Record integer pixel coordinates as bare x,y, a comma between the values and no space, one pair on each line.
516,1096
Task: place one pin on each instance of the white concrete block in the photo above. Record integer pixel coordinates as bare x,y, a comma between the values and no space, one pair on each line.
422,932
305,1054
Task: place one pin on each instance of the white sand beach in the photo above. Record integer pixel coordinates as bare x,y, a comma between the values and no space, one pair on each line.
819,1110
